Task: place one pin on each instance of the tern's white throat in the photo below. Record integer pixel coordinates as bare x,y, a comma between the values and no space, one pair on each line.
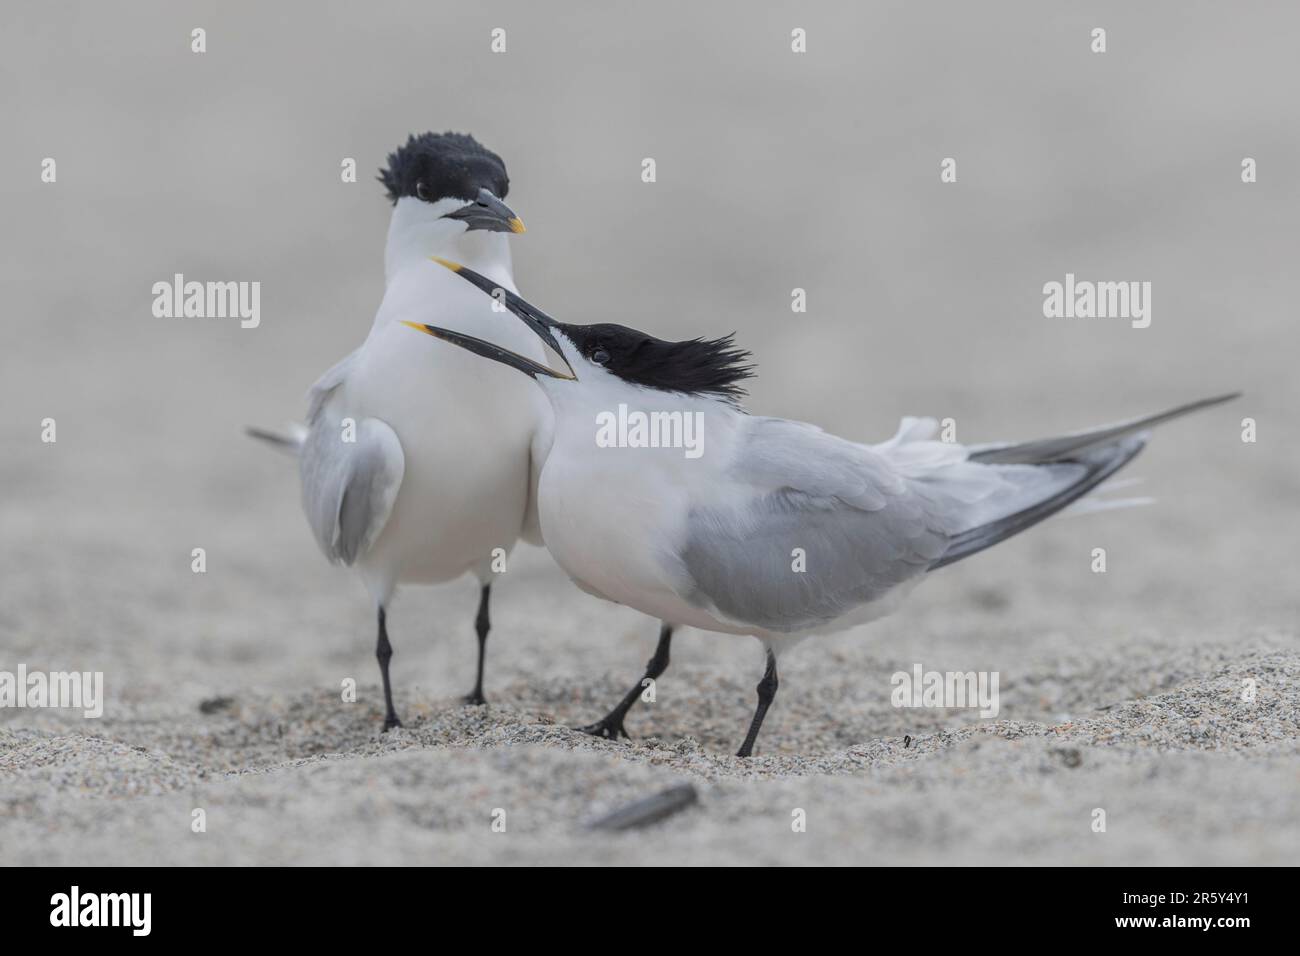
418,231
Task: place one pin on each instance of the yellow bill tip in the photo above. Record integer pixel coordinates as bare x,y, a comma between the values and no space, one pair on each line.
453,266
417,326
517,225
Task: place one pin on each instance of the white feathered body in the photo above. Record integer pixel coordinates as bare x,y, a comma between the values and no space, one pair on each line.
777,529
439,476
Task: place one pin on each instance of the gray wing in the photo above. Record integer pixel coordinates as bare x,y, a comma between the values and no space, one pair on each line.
860,520
348,486
835,508
324,386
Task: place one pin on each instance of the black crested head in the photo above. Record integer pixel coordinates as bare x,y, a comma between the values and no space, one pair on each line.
696,367
440,165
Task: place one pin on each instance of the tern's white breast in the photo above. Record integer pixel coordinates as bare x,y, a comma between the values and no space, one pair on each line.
464,423
615,518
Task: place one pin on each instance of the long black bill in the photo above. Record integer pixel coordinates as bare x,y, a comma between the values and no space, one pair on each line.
488,212
488,350
533,317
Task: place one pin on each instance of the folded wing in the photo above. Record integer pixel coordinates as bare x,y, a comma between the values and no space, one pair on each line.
815,527
350,473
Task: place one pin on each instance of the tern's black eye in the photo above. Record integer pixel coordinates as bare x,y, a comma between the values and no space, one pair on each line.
599,357
422,191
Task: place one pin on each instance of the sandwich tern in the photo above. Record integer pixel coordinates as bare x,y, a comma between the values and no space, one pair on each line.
709,540
404,483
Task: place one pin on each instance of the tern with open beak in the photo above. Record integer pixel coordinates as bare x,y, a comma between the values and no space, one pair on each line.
707,540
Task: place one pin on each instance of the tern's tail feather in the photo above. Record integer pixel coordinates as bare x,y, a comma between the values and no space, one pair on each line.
1102,452
1100,463
289,441
1047,450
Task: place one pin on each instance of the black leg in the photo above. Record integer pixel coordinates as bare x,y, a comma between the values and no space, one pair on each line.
384,651
611,725
766,692
481,627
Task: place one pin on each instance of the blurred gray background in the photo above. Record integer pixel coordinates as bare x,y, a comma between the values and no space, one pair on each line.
775,171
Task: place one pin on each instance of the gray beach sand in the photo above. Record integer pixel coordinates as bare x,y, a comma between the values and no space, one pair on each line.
1120,691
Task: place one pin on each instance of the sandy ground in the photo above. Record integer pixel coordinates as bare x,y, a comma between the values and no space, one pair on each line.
1185,772
1120,691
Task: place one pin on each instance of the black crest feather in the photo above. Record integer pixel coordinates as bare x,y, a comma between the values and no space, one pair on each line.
449,164
696,367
